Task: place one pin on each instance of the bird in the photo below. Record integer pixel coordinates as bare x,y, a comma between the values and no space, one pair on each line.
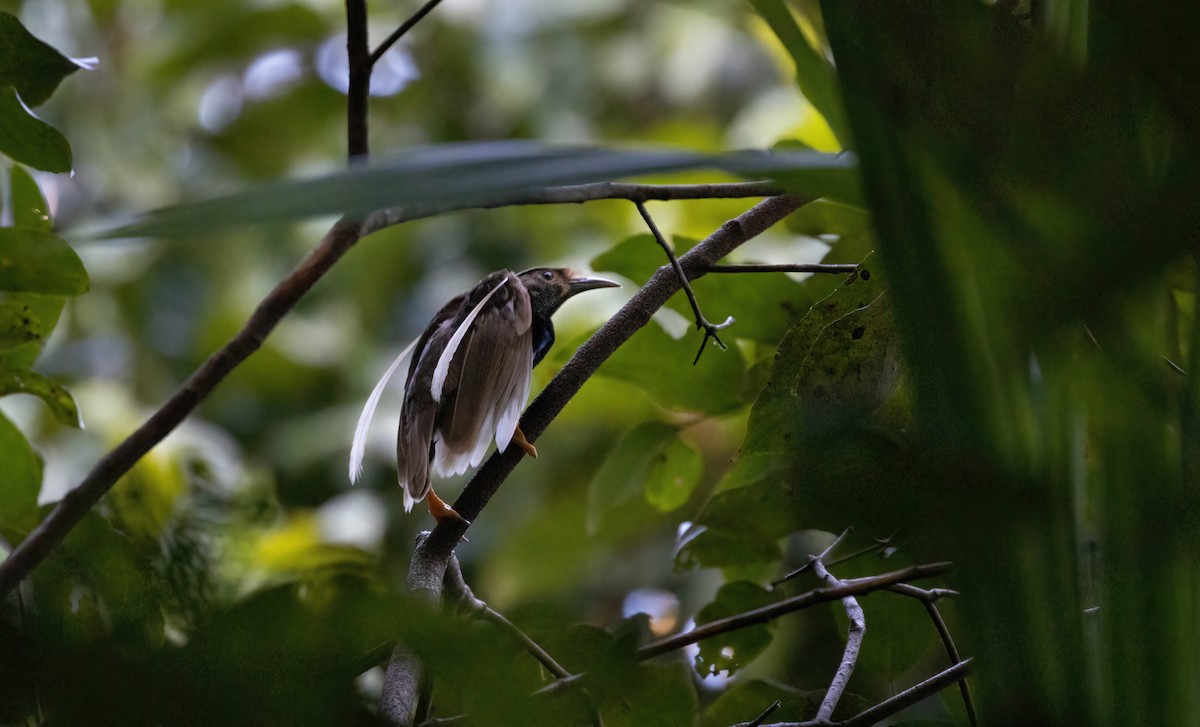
468,379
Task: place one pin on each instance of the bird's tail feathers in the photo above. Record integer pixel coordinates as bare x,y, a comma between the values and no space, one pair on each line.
358,448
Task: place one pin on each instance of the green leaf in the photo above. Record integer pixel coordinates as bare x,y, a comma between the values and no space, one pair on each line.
714,548
733,650
622,478
29,140
20,482
746,700
29,206
60,401
663,367
26,320
672,475
437,177
38,262
29,65
838,364
814,74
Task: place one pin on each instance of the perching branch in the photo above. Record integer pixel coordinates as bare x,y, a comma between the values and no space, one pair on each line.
854,638
702,323
278,303
398,33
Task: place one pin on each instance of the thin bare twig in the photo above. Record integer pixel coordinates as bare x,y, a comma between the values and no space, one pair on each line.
928,599
702,323
398,33
836,542
786,268
881,545
895,703
854,639
773,611
358,91
757,721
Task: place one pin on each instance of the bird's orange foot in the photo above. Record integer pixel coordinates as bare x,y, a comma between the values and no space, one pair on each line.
520,440
440,510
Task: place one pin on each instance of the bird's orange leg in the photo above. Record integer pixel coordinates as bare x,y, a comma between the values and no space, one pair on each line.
440,510
520,440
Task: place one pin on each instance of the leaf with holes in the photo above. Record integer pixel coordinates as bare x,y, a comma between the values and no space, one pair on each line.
733,650
839,363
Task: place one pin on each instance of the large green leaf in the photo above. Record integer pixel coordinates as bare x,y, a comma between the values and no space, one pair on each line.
20,481
29,140
39,262
662,366
24,381
29,65
649,465
839,363
475,173
814,74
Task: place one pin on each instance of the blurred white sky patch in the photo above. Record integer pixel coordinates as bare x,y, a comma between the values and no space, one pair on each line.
661,606
357,518
394,71
273,73
220,104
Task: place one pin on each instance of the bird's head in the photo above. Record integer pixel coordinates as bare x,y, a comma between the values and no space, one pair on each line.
549,288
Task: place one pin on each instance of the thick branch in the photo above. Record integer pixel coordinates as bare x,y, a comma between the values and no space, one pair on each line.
430,558
773,611
398,33
854,637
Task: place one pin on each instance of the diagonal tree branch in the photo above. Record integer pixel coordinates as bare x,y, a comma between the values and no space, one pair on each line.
278,303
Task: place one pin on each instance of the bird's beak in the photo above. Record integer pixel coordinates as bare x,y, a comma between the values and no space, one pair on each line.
580,285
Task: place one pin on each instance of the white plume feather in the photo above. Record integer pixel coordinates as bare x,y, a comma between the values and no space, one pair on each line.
443,365
359,448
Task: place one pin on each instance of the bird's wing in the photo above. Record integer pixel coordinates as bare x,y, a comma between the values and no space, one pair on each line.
359,446
487,378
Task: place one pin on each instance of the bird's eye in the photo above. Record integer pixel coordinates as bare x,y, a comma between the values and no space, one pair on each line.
547,275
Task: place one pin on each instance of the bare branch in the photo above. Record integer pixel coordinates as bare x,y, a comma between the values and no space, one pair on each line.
702,323
358,91
854,637
881,545
928,599
895,703
398,33
788,268
762,717
773,611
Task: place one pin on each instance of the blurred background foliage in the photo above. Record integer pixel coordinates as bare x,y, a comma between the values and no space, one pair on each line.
1006,386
